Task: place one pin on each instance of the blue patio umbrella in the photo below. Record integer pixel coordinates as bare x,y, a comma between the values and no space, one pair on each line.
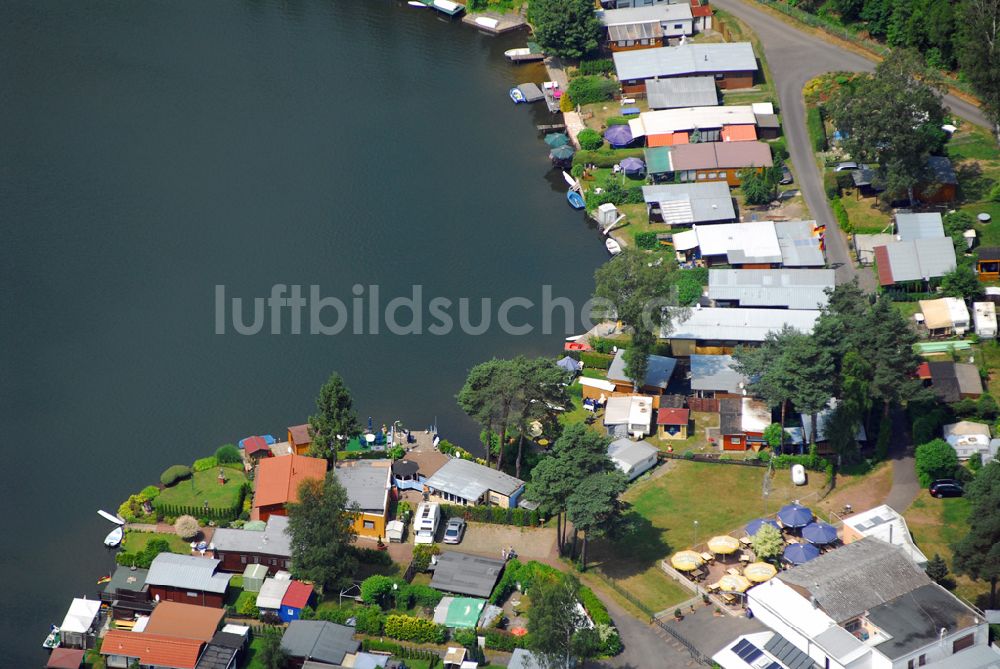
754,525
618,135
633,166
819,533
569,364
564,152
795,515
554,139
800,553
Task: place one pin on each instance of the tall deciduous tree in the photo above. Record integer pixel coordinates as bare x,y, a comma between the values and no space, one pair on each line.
487,398
577,454
636,292
271,655
321,527
559,634
893,119
595,507
891,356
978,45
335,420
542,388
565,28
978,554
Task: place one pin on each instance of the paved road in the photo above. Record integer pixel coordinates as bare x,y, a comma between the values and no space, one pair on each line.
905,486
795,57
644,645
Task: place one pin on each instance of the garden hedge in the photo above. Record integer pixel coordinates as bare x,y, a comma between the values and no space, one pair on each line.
495,515
175,473
418,630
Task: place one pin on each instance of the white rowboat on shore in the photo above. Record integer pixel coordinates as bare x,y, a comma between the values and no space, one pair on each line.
110,516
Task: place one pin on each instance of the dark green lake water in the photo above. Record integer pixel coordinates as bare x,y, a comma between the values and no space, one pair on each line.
151,151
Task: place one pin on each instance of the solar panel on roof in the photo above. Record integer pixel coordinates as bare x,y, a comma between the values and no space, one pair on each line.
743,643
774,665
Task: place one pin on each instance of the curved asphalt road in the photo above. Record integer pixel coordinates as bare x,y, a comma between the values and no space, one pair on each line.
795,57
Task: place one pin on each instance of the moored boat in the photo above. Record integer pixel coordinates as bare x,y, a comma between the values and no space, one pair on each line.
575,199
414,3
613,247
114,537
110,516
516,95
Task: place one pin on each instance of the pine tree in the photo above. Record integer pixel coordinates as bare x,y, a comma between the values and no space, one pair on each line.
335,420
937,569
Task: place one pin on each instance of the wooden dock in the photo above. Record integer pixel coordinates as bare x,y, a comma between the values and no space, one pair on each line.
551,127
525,57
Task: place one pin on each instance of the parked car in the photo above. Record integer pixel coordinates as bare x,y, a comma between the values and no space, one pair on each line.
454,531
846,166
786,176
798,475
946,488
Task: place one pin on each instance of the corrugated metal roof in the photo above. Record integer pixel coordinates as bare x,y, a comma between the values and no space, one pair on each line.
187,571
718,324
790,288
635,31
725,155
800,244
469,480
690,118
466,574
919,226
319,640
681,92
715,373
672,61
656,13
272,592
917,260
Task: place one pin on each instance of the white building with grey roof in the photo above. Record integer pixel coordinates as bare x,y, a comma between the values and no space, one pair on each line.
868,605
688,203
468,483
784,288
720,328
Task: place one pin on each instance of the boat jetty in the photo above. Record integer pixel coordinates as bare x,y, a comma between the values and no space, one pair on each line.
526,54
444,6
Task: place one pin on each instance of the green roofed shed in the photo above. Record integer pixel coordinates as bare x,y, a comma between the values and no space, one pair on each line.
253,577
657,159
459,611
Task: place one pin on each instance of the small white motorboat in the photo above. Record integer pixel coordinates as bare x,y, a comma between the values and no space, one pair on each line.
110,516
114,537
613,247
487,22
414,3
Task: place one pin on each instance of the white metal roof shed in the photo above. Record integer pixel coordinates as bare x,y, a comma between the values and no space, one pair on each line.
81,615
271,593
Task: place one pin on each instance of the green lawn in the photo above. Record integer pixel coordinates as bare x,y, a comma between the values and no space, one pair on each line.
722,498
938,523
204,486
907,309
135,542
865,216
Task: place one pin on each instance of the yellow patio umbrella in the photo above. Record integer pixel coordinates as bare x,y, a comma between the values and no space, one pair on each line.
730,583
723,544
686,561
758,572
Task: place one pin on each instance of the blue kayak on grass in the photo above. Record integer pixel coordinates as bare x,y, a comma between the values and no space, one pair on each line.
575,199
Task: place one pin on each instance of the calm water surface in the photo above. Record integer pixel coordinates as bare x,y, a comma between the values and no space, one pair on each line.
150,151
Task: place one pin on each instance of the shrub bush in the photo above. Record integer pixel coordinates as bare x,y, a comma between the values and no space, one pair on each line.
505,641
595,607
149,493
845,180
646,240
142,559
841,215
596,360
175,473
817,131
934,460
186,527
779,149
590,139
597,66
830,186
464,637
422,556
690,284
418,630
201,464
418,594
590,88
246,604
368,619
376,589
228,454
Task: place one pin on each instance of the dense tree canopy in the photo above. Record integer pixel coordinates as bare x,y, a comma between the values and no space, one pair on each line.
892,120
978,554
321,526
559,634
335,420
595,507
565,28
978,45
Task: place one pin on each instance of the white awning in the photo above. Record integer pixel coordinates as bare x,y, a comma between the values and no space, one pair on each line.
599,384
685,241
81,615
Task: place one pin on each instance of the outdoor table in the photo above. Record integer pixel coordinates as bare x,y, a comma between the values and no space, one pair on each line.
707,557
733,571
744,558
746,541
